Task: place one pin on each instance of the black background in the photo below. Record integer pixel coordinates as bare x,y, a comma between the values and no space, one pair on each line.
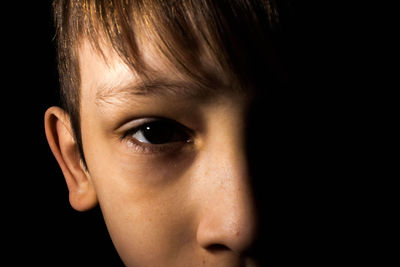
41,228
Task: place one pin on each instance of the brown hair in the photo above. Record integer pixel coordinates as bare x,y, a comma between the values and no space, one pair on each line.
235,34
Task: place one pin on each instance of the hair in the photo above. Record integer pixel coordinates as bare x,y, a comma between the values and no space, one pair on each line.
235,34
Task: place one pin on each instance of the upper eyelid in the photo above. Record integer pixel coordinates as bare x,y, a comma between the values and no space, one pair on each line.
135,124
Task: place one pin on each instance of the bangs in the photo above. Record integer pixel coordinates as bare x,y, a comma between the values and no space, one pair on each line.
209,42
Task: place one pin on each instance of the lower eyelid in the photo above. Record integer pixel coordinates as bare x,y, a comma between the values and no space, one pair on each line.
146,148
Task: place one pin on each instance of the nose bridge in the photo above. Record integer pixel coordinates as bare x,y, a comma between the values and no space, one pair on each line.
228,213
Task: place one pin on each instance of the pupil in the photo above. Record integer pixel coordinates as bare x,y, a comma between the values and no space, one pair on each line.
159,132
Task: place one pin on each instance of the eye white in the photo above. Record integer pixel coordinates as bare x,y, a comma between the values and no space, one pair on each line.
138,135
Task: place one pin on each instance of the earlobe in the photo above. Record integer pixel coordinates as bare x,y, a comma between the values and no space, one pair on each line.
82,194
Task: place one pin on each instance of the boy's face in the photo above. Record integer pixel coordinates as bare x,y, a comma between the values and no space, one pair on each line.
168,164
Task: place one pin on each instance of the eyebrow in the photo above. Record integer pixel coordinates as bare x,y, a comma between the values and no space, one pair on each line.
160,87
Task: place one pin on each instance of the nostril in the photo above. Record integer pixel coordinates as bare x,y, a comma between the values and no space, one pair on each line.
215,248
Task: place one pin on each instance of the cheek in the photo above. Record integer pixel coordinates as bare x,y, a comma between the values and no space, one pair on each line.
150,231
148,224
145,203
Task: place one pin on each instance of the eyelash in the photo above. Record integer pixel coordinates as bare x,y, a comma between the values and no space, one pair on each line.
149,148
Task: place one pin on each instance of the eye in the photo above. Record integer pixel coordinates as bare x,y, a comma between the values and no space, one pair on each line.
159,132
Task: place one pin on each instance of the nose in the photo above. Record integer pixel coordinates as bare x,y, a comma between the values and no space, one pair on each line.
228,216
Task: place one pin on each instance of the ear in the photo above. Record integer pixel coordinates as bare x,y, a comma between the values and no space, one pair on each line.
60,137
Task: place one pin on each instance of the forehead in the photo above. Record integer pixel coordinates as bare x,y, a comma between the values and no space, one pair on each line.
100,70
221,44
105,75
210,47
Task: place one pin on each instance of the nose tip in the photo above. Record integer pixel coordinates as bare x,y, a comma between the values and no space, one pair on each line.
228,227
216,235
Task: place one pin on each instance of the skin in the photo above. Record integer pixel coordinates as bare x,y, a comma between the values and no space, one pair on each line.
184,203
